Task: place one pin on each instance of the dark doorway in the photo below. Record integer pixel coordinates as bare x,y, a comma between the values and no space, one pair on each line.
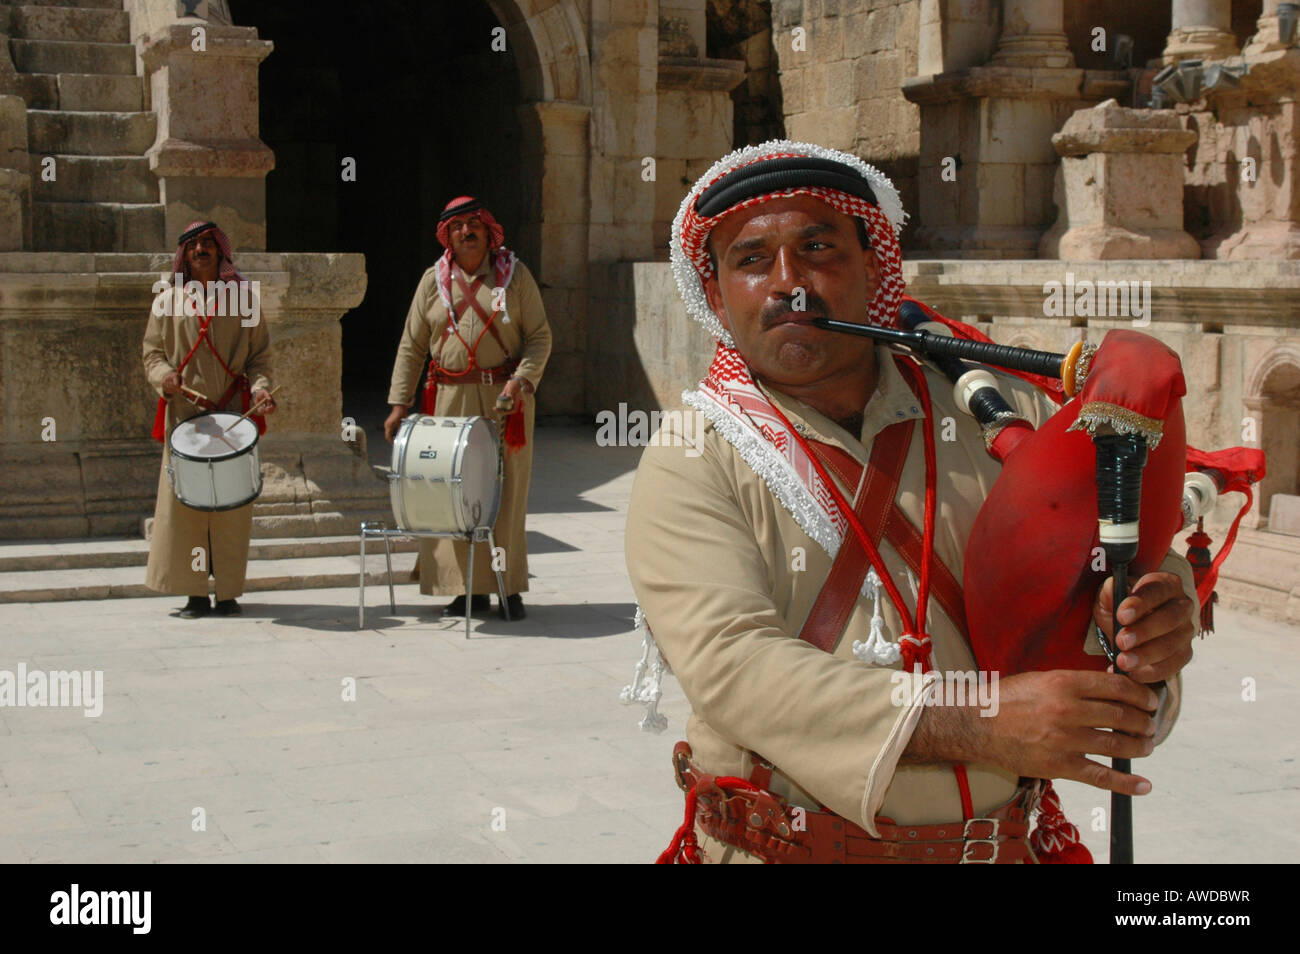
414,93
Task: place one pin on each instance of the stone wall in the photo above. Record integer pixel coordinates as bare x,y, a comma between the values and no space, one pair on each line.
843,89
646,350
76,409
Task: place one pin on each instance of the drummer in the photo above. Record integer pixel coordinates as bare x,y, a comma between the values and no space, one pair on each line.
486,347
203,362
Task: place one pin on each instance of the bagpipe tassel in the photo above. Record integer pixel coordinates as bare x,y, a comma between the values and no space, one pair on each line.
1198,555
1055,841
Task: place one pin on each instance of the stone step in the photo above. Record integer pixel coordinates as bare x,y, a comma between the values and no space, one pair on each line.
77,4
100,92
88,133
125,582
97,553
88,25
97,227
95,179
270,526
38,90
72,56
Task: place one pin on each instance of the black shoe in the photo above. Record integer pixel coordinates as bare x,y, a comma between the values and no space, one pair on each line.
516,604
226,608
196,606
479,604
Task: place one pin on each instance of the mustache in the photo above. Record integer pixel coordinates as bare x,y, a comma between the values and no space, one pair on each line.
774,313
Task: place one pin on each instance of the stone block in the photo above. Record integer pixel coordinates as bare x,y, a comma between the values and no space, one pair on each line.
1040,209
1016,131
90,92
839,83
1001,193
564,255
1284,514
563,385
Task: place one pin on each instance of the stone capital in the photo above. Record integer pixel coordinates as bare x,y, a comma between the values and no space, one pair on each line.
1006,82
1109,127
676,72
226,158
178,41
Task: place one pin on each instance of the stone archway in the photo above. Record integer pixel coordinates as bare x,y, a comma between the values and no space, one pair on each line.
1273,399
429,107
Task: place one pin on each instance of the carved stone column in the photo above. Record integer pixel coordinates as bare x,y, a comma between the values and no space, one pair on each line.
209,160
1202,29
1033,34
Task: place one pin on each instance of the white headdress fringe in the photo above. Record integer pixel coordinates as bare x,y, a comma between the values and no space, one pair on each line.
688,279
646,679
772,467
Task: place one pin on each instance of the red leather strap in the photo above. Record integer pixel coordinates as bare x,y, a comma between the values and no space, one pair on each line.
834,604
899,531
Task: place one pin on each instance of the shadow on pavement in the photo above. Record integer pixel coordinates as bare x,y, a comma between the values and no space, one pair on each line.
574,621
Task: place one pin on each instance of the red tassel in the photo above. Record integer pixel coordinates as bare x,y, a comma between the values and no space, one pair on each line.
1207,614
1055,841
1069,855
430,393
516,435
159,431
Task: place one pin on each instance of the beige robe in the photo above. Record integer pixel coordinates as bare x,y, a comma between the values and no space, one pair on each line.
726,577
178,529
527,337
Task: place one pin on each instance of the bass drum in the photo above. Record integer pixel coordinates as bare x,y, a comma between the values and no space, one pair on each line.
446,474
211,468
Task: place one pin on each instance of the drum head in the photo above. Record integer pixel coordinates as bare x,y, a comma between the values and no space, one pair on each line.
479,488
204,437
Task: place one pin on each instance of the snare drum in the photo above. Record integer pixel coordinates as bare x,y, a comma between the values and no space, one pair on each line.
211,469
446,474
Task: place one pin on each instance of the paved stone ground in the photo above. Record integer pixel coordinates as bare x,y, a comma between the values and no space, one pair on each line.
246,720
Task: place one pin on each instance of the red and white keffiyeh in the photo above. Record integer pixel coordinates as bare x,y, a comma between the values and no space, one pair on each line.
503,260
728,395
226,269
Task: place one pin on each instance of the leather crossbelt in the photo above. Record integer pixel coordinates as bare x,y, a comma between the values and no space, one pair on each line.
763,824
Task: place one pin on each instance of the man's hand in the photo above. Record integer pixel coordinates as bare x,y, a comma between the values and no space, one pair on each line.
1157,629
263,401
514,390
1046,725
171,383
393,421
1048,722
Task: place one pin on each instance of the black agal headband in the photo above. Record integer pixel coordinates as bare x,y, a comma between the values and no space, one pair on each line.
195,232
455,210
773,175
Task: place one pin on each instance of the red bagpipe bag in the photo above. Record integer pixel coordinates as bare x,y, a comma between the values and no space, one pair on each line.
1034,560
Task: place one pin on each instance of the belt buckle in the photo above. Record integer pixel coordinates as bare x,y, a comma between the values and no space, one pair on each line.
991,841
485,377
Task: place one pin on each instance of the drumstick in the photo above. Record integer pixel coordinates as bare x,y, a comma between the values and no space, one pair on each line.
194,393
270,394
